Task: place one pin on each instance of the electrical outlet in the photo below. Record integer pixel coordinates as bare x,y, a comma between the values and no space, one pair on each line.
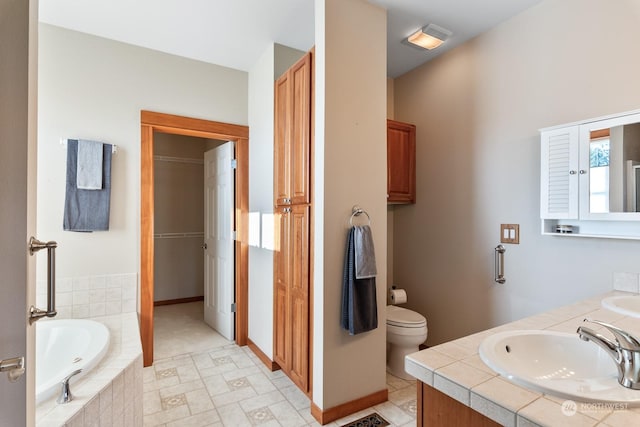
510,233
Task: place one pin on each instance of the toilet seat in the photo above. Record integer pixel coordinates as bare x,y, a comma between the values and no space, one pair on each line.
403,318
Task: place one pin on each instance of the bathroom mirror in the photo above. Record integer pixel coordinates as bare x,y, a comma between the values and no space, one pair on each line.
614,162
610,168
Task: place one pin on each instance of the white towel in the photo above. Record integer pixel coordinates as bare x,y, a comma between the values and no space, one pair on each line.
89,172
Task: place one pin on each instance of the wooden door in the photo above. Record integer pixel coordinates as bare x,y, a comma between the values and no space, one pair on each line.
292,134
282,141
281,320
300,82
292,158
401,162
299,296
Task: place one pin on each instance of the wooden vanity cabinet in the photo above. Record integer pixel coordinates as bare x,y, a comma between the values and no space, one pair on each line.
436,409
401,162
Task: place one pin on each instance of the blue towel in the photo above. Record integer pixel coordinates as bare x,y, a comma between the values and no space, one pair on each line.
365,255
359,304
86,210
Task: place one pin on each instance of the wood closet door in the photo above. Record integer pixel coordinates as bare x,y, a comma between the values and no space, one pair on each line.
293,134
292,160
299,295
301,129
282,141
282,274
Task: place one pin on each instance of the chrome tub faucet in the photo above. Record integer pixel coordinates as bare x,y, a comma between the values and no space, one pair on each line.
625,351
65,393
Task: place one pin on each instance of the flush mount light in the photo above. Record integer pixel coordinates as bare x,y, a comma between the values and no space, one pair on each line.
429,37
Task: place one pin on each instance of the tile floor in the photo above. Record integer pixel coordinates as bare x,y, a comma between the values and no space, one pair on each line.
227,385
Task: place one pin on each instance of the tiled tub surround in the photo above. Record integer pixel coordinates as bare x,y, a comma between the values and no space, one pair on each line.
112,393
455,369
92,296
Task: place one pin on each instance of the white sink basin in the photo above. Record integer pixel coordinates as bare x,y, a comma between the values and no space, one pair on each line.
628,305
556,363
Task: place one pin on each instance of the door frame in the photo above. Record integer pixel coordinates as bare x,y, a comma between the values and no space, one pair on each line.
151,122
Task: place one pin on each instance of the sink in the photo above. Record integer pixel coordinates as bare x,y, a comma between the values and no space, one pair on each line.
629,305
556,363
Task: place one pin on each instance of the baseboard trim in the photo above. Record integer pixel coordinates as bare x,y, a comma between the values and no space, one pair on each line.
348,408
177,301
270,364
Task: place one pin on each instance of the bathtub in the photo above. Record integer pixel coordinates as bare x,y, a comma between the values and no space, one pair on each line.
62,346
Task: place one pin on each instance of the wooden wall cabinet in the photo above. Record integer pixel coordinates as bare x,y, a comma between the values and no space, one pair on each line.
401,162
292,134
292,160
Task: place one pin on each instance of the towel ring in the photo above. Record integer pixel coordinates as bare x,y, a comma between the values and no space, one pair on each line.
357,211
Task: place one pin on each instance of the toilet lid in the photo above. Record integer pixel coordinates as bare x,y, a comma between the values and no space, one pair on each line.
398,316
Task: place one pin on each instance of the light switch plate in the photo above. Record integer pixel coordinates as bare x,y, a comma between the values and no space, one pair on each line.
510,233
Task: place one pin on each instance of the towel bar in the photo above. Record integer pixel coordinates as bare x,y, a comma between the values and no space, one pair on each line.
357,211
114,147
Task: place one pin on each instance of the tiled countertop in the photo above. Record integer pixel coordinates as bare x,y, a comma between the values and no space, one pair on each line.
455,368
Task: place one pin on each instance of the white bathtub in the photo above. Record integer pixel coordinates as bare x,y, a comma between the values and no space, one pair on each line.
62,346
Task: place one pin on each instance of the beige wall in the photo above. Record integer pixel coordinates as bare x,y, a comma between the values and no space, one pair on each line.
94,88
477,110
350,160
274,61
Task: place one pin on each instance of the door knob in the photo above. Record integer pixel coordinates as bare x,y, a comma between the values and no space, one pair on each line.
14,368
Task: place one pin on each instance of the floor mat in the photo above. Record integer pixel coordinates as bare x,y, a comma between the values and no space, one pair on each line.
370,420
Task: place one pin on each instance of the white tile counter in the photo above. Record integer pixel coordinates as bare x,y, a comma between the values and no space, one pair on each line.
455,369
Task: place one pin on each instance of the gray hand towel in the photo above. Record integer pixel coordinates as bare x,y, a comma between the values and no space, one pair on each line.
359,304
89,170
365,254
86,210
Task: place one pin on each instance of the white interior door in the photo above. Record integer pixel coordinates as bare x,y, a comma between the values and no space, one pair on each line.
219,277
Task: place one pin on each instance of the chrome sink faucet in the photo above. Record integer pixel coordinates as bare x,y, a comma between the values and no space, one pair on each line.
625,351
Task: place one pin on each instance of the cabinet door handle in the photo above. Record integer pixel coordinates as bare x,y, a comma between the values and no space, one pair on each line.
286,210
582,171
572,172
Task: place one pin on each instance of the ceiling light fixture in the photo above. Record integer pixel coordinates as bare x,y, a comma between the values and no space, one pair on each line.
429,37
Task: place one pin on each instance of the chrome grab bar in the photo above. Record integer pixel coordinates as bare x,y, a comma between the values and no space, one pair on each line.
499,264
36,245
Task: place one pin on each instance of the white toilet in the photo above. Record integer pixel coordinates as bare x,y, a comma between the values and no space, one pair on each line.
406,330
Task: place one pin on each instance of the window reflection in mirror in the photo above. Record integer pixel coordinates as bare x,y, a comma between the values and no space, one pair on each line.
614,169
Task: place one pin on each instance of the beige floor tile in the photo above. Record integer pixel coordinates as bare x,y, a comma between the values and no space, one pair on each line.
151,402
287,415
181,388
203,419
261,400
233,415
233,396
229,386
163,417
199,401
